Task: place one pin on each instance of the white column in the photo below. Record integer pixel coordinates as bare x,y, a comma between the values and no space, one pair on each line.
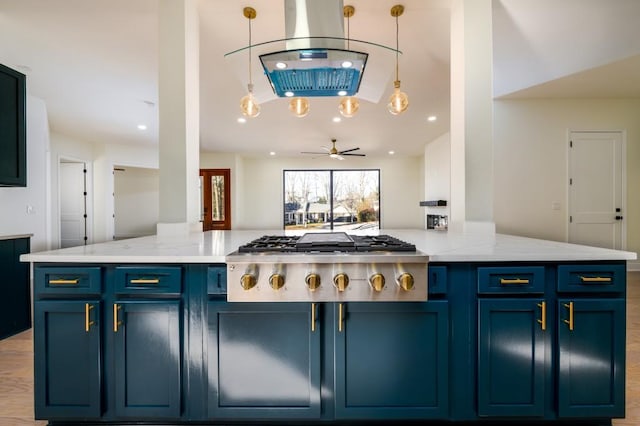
471,114
179,116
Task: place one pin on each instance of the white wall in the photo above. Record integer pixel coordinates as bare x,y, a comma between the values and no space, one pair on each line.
14,218
136,201
437,174
260,204
530,149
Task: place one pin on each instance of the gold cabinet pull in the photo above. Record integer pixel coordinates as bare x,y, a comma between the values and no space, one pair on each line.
87,320
145,281
61,281
340,316
570,320
313,317
513,281
543,315
116,323
595,279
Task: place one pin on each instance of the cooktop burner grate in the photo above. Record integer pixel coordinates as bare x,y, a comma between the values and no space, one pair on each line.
326,242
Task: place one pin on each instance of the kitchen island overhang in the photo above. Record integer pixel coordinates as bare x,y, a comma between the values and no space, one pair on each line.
217,361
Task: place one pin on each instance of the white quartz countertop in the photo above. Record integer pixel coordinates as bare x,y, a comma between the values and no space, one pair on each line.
440,246
15,237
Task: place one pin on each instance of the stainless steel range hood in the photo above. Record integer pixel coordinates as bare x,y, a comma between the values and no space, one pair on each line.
316,61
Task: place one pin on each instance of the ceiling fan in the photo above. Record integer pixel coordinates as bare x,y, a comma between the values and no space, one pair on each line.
334,153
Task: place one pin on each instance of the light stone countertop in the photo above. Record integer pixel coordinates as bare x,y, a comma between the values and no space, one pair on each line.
15,237
440,246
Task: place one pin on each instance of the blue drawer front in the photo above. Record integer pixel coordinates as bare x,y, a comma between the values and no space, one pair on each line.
217,280
67,280
148,280
592,278
511,280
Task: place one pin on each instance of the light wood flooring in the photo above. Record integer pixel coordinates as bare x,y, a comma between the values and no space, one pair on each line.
16,369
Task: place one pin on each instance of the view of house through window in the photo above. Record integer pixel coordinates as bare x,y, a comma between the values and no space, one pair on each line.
321,200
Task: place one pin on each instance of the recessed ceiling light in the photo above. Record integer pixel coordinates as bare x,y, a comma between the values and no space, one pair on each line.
347,64
337,119
142,127
272,153
242,120
288,94
391,152
281,65
432,118
342,93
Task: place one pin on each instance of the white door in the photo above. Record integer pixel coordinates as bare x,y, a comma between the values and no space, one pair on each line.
596,189
73,221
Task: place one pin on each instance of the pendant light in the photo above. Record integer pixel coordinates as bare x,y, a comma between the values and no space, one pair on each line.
248,104
399,101
348,105
299,106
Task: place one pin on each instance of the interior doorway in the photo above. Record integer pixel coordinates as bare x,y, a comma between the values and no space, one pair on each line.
73,205
215,197
597,187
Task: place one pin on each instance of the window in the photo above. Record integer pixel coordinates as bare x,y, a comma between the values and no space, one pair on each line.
321,200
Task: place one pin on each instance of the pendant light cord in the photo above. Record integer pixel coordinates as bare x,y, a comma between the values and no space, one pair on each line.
397,46
250,80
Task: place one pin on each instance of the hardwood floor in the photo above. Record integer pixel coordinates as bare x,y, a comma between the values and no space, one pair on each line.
16,369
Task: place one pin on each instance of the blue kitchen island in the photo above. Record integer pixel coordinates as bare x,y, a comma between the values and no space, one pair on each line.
515,331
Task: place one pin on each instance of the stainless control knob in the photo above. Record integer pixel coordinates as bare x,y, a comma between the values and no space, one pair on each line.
405,281
248,281
341,281
313,281
276,281
376,281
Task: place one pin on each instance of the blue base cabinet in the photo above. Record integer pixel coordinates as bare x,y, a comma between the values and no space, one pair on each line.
391,360
263,361
68,364
511,358
591,358
522,342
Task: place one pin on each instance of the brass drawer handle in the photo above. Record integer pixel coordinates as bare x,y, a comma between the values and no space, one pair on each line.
145,281
513,281
61,281
595,279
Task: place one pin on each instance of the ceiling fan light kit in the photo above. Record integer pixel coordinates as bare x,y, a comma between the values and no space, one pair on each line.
320,67
333,152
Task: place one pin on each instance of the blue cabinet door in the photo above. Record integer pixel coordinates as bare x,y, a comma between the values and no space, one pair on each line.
67,368
391,360
147,359
511,357
263,361
591,339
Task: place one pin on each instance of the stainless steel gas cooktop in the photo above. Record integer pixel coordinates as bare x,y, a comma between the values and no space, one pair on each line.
326,267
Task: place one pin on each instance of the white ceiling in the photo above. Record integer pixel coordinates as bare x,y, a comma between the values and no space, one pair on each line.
94,63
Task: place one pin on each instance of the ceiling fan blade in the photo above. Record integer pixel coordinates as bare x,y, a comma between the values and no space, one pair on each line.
355,155
339,157
349,150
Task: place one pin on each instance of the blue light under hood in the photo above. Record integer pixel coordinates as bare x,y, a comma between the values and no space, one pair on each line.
314,72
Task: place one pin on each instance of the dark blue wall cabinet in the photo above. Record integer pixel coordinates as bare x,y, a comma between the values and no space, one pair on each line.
520,342
15,302
13,128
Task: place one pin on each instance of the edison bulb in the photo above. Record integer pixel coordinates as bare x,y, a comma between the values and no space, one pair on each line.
249,106
299,106
349,106
399,101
